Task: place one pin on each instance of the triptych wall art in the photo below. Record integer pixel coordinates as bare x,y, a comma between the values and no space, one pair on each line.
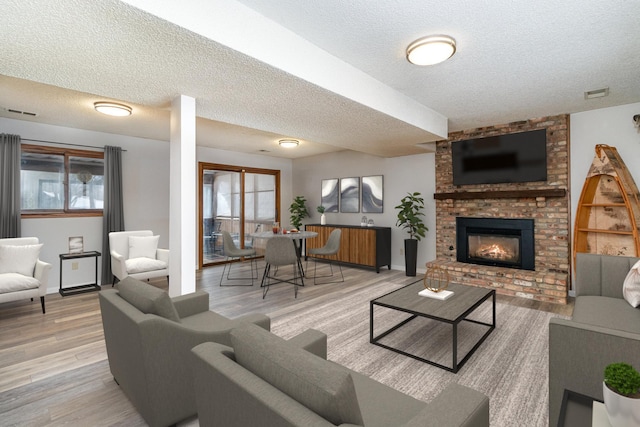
347,195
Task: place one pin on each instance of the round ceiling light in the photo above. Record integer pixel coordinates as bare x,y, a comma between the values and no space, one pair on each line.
112,109
431,50
288,143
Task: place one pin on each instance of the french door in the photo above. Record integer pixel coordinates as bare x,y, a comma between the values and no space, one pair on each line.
238,200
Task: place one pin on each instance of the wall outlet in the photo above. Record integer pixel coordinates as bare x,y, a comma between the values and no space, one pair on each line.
401,251
74,265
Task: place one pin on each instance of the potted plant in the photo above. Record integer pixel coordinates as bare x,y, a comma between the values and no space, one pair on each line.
298,210
621,390
410,218
323,219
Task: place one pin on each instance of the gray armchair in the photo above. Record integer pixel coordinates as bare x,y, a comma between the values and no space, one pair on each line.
149,337
263,380
604,329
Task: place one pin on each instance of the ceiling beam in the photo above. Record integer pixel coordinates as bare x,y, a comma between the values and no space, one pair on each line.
242,29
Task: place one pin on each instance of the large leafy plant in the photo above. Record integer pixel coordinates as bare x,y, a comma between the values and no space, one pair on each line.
298,210
410,215
623,379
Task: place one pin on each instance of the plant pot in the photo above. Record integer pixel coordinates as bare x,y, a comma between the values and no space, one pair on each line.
622,411
323,220
410,256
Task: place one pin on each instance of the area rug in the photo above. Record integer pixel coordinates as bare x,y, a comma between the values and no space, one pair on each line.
511,366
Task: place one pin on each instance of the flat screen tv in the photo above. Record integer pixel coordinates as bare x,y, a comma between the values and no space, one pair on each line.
516,157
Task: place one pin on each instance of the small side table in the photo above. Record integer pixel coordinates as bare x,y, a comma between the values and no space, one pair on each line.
81,288
600,418
579,410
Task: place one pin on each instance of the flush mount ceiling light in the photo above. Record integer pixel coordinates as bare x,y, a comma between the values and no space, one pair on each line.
112,109
288,143
431,50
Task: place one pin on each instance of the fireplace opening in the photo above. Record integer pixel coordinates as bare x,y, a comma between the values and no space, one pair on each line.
490,247
496,241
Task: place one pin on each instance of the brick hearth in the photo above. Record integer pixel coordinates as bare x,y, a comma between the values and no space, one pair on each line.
549,281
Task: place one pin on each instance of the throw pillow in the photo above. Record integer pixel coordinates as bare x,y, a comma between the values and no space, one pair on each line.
143,246
148,299
631,286
19,259
321,386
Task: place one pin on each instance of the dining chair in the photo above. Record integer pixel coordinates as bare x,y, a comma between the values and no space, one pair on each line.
330,248
231,251
249,239
215,236
280,251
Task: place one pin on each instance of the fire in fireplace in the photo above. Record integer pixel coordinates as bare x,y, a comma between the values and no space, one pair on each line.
491,247
496,241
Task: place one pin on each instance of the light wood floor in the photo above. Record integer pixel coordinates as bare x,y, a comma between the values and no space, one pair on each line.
54,368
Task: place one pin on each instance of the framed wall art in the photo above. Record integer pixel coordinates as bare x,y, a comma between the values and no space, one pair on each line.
372,192
330,194
350,195
76,245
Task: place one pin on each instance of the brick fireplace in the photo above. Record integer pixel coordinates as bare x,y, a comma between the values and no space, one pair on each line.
545,204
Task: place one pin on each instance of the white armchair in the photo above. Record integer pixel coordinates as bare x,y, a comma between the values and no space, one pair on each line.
22,274
136,254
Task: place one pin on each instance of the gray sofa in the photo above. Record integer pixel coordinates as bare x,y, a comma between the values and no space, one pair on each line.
604,329
149,337
263,380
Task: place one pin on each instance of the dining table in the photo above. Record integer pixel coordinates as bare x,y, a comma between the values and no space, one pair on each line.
297,237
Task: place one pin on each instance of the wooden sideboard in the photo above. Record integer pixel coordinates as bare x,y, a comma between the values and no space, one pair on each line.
359,246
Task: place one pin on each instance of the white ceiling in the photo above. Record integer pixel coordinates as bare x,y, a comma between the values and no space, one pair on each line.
330,73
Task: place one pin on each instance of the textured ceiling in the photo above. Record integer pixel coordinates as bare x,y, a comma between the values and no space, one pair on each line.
330,73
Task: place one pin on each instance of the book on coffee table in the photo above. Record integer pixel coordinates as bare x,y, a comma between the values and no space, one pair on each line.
441,295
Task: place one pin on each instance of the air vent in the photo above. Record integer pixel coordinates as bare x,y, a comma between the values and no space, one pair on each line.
598,93
24,113
264,151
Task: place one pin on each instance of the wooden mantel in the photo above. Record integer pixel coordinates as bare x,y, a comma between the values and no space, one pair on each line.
504,194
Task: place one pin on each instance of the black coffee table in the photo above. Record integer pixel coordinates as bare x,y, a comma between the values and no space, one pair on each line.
451,311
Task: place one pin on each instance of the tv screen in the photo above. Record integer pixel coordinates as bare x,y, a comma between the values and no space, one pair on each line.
516,157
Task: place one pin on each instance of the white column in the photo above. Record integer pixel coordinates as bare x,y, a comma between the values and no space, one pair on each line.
182,197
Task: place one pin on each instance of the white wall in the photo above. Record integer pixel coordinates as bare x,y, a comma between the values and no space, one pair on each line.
612,126
146,197
146,177
146,192
401,176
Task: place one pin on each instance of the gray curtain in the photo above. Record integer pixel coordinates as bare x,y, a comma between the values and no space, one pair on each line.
10,208
113,215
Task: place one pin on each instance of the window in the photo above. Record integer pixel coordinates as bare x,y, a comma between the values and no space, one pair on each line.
57,181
